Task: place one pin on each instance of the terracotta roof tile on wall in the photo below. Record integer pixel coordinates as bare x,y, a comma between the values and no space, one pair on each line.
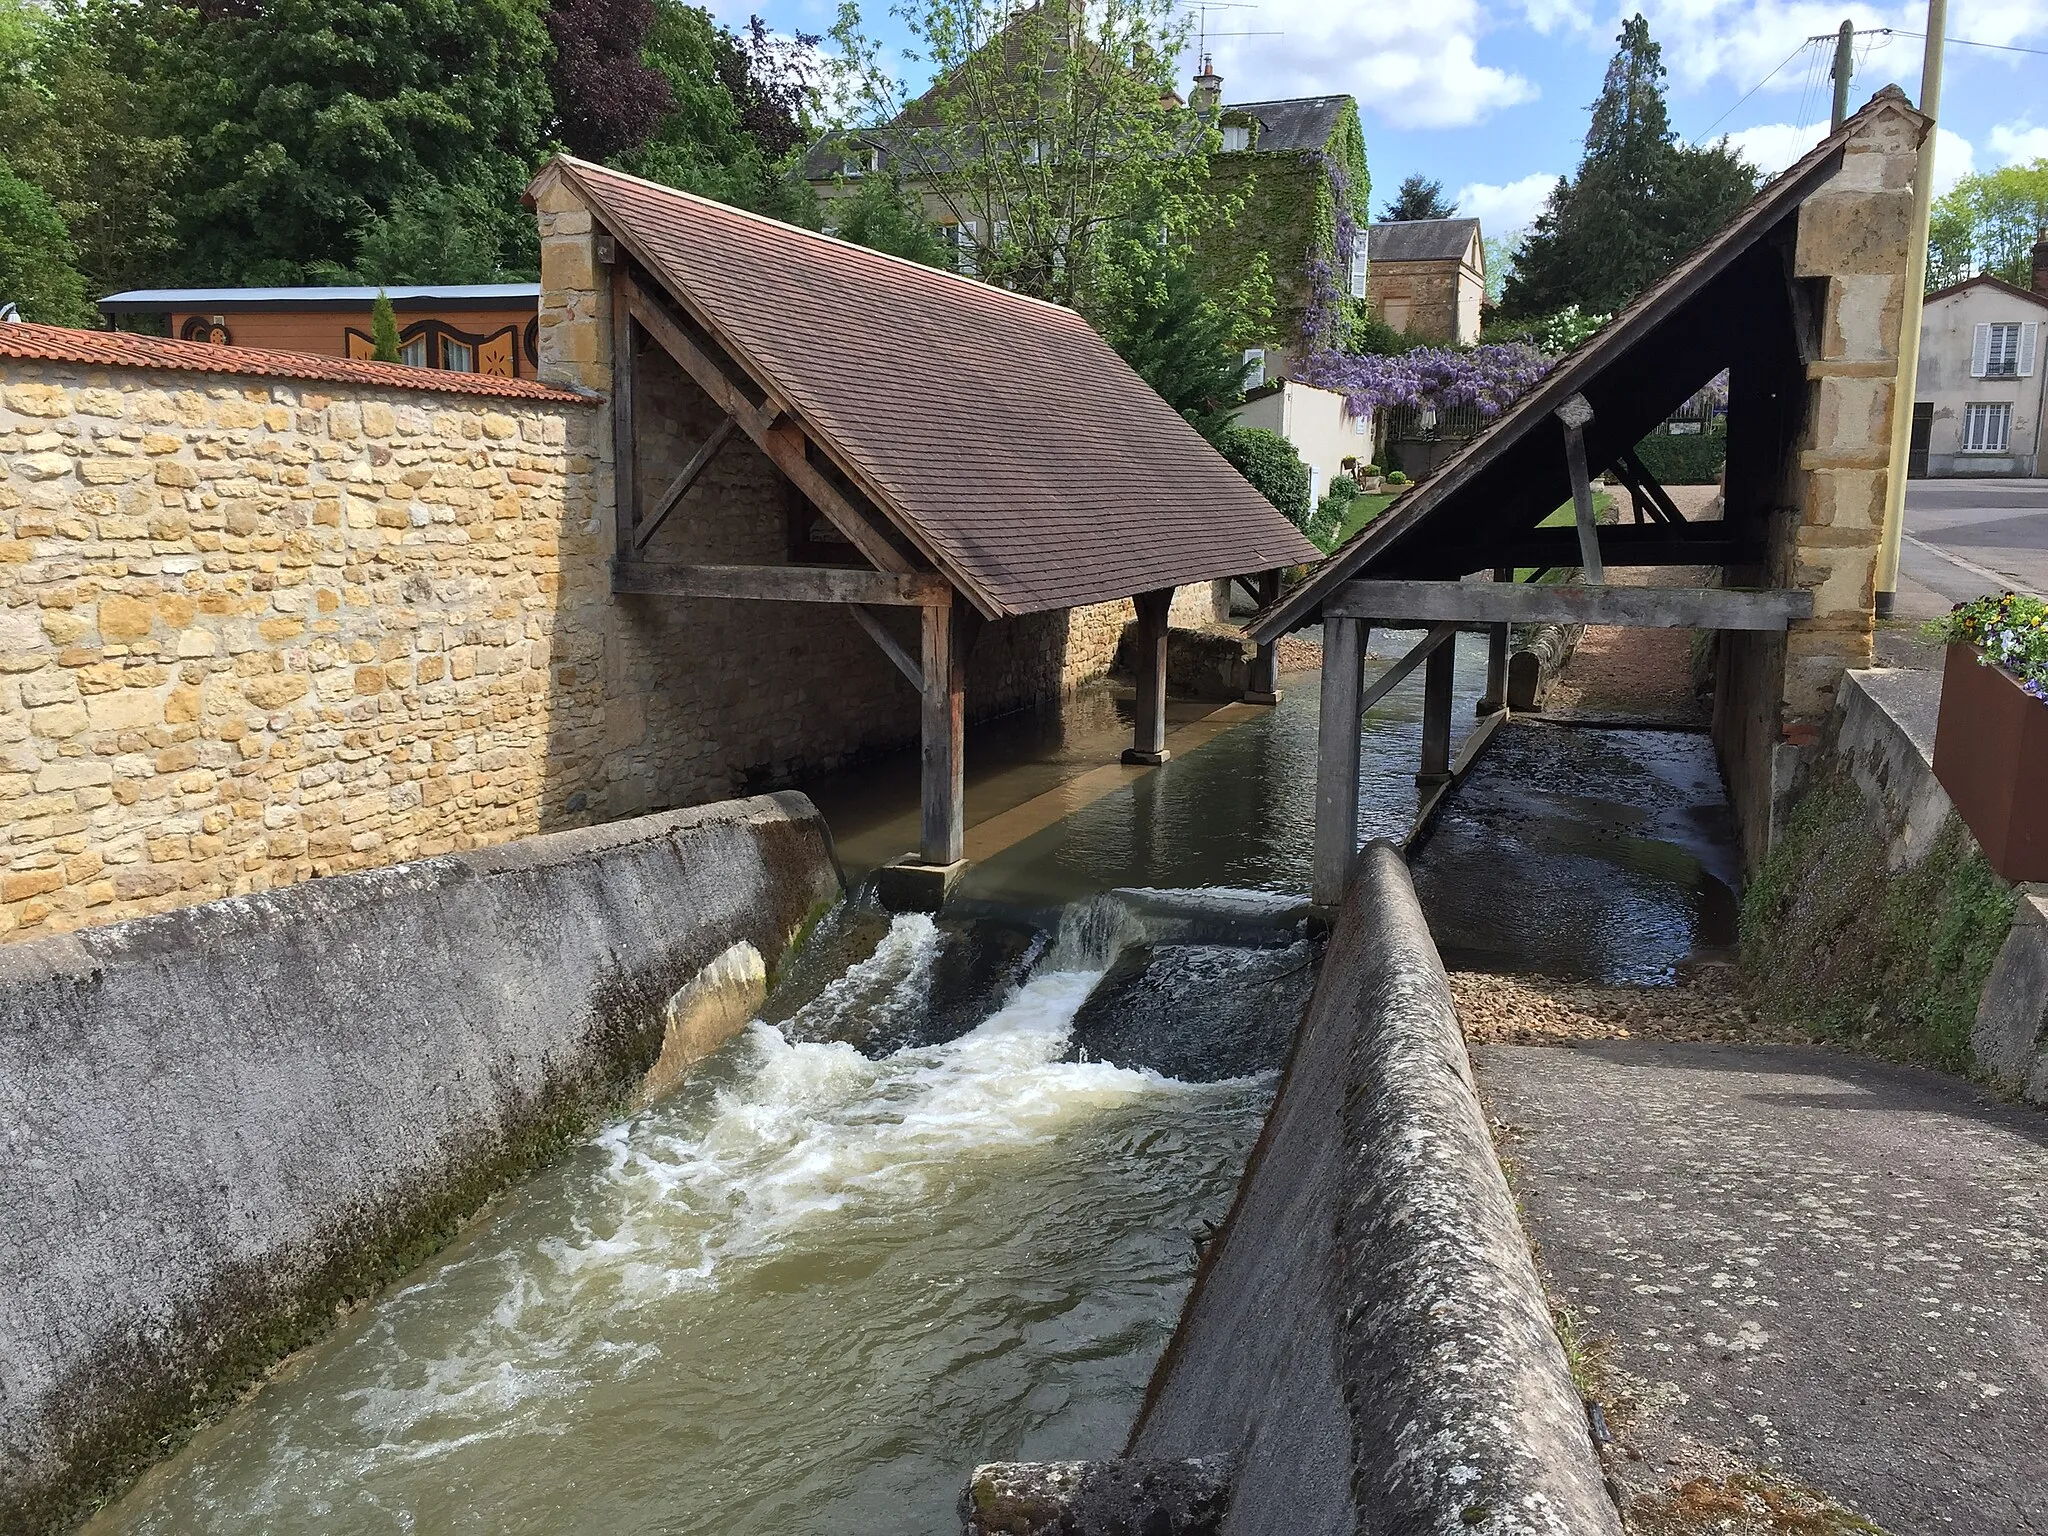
1025,452
118,349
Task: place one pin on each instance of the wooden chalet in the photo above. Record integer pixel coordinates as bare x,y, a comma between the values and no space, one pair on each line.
950,448
1798,298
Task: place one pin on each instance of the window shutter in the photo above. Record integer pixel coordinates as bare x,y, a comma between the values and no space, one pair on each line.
1980,351
970,243
2027,335
1357,284
1255,367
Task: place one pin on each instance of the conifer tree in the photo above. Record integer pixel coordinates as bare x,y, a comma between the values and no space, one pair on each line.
383,329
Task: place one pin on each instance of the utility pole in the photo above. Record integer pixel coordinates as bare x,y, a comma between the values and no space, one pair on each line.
1845,43
1909,321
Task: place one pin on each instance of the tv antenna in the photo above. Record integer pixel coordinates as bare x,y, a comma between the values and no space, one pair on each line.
1203,34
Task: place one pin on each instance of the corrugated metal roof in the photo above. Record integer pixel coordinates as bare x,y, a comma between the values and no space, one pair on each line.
438,295
1421,239
1002,433
1518,461
119,349
1300,122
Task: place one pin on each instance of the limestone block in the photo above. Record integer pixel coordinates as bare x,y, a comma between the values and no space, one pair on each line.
1853,419
1855,231
128,709
568,262
1862,316
1850,499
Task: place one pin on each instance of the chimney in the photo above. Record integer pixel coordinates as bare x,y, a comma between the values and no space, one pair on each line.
1207,95
2041,263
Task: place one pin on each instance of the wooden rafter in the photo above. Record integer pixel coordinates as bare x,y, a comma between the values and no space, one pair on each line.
1494,602
871,621
782,583
679,487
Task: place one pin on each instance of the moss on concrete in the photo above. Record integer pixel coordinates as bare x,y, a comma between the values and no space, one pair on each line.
1892,960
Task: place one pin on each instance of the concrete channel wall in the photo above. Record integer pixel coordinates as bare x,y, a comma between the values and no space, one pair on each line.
1367,1348
227,1122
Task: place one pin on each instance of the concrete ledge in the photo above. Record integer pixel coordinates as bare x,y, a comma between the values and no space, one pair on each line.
1368,1338
1097,1498
2010,1036
225,1121
908,885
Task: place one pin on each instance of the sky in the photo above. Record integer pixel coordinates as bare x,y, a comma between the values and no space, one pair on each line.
1490,96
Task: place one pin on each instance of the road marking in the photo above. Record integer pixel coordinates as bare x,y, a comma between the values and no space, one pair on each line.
1998,579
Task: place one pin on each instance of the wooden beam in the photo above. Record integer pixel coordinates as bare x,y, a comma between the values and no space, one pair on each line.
1620,544
1575,414
679,487
1643,488
1148,736
1262,685
782,441
1418,653
1492,602
1495,698
625,463
943,817
780,583
1437,679
870,620
1337,746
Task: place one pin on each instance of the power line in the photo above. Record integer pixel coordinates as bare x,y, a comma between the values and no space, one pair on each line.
1767,79
1965,42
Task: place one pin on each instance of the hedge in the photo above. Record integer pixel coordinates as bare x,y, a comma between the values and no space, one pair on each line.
1275,470
1693,458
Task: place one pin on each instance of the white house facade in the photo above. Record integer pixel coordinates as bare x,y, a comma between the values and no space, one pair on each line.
1977,407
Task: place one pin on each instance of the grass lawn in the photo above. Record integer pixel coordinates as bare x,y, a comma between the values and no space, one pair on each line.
1363,510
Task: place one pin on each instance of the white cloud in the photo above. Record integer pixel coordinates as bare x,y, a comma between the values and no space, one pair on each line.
1770,147
1953,159
1505,210
1416,67
2018,143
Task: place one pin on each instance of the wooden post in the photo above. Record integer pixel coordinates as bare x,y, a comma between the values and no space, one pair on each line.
945,699
1496,696
1263,685
625,470
1576,414
1337,745
1437,673
1148,744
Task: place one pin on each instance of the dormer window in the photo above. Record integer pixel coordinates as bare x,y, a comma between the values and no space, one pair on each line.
860,161
1236,136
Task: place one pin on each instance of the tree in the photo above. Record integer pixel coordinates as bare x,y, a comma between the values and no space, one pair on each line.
310,120
37,265
1419,197
1988,223
1177,336
607,100
1273,467
383,329
1639,201
1043,135
883,216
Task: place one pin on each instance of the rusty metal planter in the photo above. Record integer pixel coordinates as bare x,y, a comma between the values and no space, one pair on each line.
1991,755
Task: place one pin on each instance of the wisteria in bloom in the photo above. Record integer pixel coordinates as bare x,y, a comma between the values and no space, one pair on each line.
1487,379
1711,399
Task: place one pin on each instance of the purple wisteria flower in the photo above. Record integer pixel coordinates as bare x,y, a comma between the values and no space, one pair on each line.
1488,379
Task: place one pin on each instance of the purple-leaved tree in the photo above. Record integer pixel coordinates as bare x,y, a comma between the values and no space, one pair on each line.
607,100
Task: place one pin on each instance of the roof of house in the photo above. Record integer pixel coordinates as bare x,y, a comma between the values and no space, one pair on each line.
1301,122
119,349
145,301
1633,372
1000,434
1421,240
1986,280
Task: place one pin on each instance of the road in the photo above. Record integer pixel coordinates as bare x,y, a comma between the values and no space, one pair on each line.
1968,537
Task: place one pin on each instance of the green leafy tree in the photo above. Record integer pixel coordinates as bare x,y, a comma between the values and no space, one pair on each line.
1988,223
1639,201
1177,336
383,329
38,269
885,216
1043,136
1418,197
1275,470
78,124
308,121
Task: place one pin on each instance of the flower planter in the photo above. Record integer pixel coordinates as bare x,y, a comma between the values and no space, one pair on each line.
1991,755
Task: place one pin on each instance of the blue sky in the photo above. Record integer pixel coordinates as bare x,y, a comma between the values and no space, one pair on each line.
1490,96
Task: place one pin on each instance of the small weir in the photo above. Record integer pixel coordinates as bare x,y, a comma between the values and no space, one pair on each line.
941,1202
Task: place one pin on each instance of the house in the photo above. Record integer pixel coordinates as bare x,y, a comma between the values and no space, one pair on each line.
1978,400
1299,165
1427,278
487,328
1330,440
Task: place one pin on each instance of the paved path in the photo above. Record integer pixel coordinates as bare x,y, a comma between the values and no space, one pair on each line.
1828,1264
1971,536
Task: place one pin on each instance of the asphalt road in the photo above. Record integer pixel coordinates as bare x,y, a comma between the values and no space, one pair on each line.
1968,537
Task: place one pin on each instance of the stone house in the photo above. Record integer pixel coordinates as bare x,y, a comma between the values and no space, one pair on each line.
1427,278
1978,401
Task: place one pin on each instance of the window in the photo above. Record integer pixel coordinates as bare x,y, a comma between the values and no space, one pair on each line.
2003,349
1361,423
1236,137
457,356
413,353
1034,151
959,240
860,160
1986,428
1357,281
1254,367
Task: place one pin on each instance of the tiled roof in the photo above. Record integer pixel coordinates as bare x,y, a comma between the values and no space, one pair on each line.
1001,433
1300,122
1985,280
1513,472
119,349
1420,239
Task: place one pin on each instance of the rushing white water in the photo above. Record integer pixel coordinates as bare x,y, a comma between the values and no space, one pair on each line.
812,1288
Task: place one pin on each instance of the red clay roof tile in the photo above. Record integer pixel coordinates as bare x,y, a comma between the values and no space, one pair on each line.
120,349
1023,450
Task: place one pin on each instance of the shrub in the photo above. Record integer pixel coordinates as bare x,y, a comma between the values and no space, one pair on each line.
1275,470
1367,471
1344,488
1686,459
1395,477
